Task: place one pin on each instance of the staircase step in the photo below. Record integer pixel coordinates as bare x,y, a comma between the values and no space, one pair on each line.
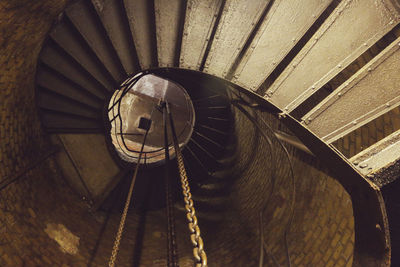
65,123
192,159
222,111
218,136
84,17
202,216
214,100
59,61
234,28
315,64
50,80
260,62
50,101
169,17
211,141
337,115
200,22
113,16
205,156
211,204
227,161
224,174
212,189
69,39
141,19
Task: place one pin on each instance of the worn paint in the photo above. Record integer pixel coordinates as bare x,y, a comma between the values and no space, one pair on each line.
237,21
375,160
358,23
199,23
285,24
168,29
371,92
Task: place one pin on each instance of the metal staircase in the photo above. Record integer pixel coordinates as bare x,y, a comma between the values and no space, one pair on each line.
282,52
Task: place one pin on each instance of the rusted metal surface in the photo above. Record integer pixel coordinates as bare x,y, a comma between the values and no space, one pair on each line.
373,161
351,29
169,16
65,37
236,23
85,21
371,92
199,22
285,24
113,17
140,15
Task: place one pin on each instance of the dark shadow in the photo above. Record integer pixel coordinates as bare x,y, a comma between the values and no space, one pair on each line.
116,196
137,252
391,197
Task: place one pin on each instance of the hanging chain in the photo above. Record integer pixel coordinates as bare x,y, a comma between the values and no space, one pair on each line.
197,241
198,250
172,246
117,241
121,225
172,250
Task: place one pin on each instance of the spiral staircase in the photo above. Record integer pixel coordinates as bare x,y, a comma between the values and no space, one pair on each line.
328,69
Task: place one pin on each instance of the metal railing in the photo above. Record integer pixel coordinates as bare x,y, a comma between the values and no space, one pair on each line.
117,125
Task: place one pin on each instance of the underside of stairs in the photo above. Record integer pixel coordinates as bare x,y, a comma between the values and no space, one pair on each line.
328,69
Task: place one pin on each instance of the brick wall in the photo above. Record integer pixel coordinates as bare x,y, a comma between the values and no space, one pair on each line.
23,27
322,231
29,204
367,135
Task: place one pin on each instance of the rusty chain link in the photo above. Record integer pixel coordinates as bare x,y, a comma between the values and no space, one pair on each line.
121,227
198,250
